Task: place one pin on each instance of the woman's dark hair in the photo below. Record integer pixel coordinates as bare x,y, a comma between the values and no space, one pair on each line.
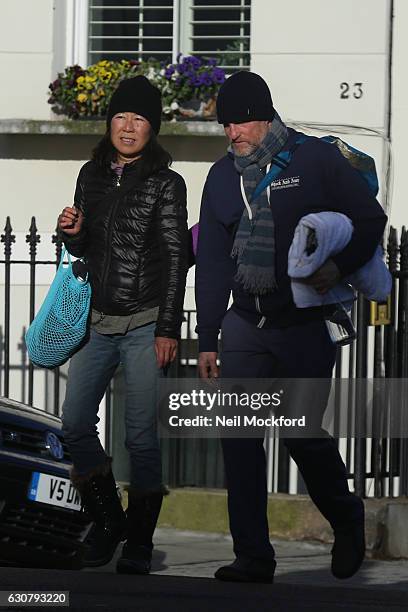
154,157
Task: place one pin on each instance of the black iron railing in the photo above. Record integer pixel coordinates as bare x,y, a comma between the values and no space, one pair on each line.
381,353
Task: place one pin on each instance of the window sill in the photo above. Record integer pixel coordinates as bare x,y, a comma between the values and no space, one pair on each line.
81,127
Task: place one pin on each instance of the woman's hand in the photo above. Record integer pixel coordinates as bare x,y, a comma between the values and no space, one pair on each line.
166,350
70,220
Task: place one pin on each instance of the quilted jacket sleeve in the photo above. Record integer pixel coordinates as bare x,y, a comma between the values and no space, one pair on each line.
76,245
173,240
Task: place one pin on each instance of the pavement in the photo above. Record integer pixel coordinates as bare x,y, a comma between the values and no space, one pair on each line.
182,580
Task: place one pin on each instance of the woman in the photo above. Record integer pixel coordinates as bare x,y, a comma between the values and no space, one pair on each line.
129,222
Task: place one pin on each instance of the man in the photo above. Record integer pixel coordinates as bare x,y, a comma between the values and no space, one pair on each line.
243,247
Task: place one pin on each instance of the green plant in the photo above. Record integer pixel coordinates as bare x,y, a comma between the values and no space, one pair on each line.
190,77
79,92
85,93
234,57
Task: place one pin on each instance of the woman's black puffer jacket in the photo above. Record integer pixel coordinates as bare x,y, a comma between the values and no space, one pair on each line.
135,242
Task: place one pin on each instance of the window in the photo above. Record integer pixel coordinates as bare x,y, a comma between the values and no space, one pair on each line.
140,29
130,29
222,30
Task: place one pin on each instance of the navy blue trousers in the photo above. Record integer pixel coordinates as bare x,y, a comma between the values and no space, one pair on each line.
303,351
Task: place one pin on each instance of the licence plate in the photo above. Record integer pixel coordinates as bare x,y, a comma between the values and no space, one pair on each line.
53,490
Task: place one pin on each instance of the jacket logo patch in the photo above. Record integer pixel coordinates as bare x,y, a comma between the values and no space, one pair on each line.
285,183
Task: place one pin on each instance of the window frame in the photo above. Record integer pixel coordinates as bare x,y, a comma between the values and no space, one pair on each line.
183,33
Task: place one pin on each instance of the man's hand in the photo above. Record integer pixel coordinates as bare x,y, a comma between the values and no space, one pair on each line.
207,365
325,278
70,220
166,350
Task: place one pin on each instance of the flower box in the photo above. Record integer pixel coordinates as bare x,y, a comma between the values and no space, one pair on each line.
189,87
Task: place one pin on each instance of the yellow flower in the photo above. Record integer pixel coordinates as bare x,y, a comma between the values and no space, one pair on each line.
82,97
80,82
89,82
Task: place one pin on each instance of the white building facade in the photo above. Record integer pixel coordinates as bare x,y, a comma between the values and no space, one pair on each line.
333,67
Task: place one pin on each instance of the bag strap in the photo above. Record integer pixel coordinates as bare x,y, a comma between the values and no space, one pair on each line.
64,252
279,162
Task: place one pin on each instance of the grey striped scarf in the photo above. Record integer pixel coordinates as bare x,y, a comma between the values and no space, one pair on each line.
254,244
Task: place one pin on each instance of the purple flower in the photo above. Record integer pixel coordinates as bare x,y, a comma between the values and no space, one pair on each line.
196,62
78,71
195,81
212,61
55,84
169,72
218,75
206,79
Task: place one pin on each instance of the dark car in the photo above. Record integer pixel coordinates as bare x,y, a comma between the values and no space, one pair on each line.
41,523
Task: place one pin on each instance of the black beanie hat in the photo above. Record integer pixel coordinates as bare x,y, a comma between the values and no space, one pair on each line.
137,95
244,96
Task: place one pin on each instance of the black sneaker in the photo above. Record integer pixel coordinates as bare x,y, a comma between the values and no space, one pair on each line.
348,549
247,570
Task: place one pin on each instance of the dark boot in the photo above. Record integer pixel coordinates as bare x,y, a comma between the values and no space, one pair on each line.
244,569
348,549
142,515
101,502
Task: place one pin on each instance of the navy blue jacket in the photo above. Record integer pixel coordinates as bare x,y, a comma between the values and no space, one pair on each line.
322,179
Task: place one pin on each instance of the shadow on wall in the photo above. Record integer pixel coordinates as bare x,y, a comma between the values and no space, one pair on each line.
73,147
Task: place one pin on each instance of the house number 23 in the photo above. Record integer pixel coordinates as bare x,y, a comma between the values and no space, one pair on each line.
355,90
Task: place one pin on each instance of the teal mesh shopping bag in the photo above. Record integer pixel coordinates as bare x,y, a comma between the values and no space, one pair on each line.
61,323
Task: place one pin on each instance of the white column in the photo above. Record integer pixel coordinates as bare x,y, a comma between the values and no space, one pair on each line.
185,27
81,15
76,31
176,30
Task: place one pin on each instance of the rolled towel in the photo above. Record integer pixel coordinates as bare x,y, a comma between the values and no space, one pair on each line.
331,232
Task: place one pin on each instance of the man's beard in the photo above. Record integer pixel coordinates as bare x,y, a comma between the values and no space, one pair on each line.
244,151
